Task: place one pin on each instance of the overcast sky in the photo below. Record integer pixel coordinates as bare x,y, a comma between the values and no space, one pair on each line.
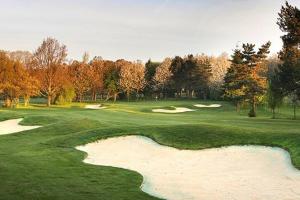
140,29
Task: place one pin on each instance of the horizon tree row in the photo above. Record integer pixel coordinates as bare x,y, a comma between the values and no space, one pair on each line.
47,73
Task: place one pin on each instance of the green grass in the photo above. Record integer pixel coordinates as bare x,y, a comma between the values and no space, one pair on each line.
43,163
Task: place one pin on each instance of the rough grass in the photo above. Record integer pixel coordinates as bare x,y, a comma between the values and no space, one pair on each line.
43,163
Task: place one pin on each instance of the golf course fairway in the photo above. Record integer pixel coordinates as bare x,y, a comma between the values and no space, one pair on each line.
44,163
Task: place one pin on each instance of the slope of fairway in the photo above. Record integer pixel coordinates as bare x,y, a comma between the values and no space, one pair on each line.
43,163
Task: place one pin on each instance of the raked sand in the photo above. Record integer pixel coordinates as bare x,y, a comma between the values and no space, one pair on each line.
176,110
208,106
12,126
94,107
229,173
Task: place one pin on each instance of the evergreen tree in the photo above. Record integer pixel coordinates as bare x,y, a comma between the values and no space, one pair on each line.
192,75
275,94
201,74
178,71
289,74
150,69
255,81
234,85
245,80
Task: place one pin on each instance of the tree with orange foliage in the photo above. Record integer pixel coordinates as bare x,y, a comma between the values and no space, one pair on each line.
80,73
15,81
97,72
256,80
8,87
132,77
163,75
49,59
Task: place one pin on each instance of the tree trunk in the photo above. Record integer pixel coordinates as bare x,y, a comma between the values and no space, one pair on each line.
252,112
238,107
295,108
16,102
273,113
163,92
7,102
107,96
128,95
95,96
115,97
26,100
49,100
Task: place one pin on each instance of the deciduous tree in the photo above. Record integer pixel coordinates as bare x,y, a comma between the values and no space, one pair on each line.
219,68
80,76
163,75
132,77
49,58
97,73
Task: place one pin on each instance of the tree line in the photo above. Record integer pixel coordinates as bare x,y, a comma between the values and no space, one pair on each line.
47,73
249,76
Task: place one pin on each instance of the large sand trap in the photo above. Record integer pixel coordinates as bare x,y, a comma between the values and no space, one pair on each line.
176,110
12,126
235,172
208,106
95,107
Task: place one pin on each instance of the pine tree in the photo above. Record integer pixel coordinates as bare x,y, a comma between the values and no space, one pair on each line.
201,74
179,74
275,94
150,69
255,81
245,80
234,80
289,74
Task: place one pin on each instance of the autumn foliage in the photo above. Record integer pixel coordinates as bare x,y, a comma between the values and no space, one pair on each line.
249,77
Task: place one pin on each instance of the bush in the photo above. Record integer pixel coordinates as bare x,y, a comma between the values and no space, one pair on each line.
67,95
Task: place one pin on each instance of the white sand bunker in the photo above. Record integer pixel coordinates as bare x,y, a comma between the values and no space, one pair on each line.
95,107
235,172
175,110
12,126
208,106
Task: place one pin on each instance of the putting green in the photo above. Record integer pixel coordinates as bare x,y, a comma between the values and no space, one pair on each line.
44,164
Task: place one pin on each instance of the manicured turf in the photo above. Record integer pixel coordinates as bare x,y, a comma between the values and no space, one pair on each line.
43,164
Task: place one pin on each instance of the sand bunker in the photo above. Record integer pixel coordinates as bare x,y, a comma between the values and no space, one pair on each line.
176,110
12,126
95,107
208,106
235,172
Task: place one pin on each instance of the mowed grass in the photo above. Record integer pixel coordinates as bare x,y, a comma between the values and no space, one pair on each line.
43,163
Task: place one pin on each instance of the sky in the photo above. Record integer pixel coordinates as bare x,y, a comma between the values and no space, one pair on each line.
140,29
